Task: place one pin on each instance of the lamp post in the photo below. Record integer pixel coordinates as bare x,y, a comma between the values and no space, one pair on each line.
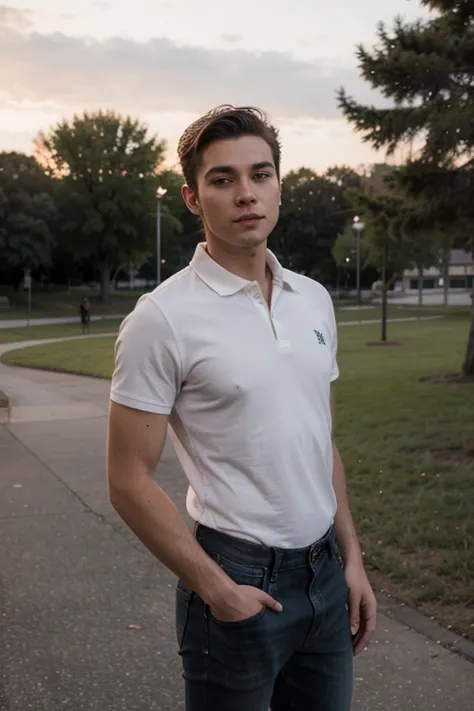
357,228
160,193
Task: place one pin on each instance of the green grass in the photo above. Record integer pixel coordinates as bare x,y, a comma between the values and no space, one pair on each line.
32,333
84,357
395,311
414,507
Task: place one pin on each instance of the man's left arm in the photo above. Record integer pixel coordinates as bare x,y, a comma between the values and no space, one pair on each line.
362,603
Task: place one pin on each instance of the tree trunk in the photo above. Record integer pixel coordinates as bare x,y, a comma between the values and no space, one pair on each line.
115,275
420,286
384,291
104,281
446,260
468,365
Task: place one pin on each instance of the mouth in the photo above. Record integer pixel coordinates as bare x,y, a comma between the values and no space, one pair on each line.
249,220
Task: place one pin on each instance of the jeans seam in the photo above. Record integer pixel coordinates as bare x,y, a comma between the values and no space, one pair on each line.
207,611
188,604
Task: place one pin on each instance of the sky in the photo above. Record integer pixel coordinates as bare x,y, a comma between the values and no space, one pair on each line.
168,61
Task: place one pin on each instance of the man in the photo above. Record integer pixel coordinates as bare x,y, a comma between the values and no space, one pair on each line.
85,311
238,355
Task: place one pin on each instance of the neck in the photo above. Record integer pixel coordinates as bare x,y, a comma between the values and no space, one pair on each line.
246,262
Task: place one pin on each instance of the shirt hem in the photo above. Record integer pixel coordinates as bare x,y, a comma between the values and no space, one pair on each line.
140,405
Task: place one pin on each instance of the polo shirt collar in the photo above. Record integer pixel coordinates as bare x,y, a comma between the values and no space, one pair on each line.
225,283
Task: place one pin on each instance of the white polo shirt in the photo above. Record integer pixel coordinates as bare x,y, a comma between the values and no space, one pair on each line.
248,393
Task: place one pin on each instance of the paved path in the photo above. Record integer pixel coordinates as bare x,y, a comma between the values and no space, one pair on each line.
86,614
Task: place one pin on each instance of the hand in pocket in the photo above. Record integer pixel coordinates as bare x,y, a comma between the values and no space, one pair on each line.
244,603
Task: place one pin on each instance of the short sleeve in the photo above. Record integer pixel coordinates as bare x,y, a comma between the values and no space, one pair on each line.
333,339
147,373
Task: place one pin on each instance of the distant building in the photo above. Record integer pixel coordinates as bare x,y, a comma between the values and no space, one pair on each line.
374,182
460,274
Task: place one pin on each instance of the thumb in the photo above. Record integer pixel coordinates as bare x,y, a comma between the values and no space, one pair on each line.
270,602
354,611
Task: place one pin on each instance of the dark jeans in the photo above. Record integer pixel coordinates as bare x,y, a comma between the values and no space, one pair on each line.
296,660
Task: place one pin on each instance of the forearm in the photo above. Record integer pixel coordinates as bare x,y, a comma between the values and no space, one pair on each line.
155,520
345,529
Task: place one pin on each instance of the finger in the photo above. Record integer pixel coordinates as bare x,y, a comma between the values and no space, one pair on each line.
271,603
363,638
367,628
354,612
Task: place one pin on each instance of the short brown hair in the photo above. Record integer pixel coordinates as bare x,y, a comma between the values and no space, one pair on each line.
223,122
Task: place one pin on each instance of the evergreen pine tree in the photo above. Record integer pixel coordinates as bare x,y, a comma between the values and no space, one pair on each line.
425,69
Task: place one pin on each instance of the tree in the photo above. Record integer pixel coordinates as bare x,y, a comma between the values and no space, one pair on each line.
344,253
424,247
175,247
314,211
27,212
107,167
343,250
384,217
427,70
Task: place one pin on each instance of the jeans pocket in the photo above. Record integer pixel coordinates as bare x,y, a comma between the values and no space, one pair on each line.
251,576
239,623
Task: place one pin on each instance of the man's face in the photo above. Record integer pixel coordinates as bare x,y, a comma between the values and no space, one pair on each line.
237,178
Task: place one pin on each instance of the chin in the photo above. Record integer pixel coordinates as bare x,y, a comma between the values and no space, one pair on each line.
242,239
250,237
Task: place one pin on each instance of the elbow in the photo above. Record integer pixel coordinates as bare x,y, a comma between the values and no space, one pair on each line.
124,489
118,489
116,494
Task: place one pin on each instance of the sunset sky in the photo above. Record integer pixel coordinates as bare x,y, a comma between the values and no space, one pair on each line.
167,61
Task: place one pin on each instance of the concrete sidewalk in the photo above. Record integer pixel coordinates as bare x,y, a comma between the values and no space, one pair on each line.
87,615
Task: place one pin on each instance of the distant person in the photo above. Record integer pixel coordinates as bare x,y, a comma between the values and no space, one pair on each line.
85,310
237,355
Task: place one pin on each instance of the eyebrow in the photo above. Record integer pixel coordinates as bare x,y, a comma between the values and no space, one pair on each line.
229,170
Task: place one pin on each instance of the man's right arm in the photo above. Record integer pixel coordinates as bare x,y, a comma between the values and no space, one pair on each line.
135,442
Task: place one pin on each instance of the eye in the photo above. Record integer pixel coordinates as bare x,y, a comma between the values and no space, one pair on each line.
261,176
221,181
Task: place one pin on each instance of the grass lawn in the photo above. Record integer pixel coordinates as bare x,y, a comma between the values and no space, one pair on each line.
31,333
408,448
395,311
84,357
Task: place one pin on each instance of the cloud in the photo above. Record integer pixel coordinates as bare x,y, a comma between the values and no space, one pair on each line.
231,38
14,18
102,5
159,75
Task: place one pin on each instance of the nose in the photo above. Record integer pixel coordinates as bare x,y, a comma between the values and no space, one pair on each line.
246,195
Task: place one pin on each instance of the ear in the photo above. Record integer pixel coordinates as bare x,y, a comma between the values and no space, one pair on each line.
190,199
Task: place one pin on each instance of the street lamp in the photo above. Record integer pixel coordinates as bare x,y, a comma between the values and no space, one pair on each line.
160,193
357,228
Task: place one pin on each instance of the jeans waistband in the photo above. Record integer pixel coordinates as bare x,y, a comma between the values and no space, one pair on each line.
247,553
